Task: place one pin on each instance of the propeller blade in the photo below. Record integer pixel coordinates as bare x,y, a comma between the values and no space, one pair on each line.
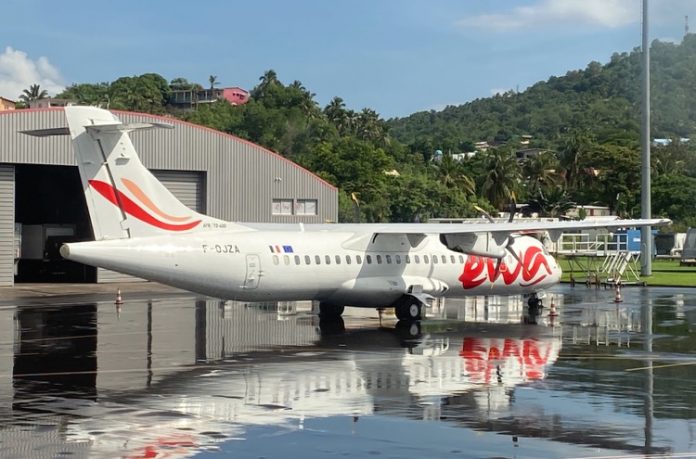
517,257
485,214
512,209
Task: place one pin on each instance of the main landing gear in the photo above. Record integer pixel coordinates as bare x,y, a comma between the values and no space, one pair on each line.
330,311
409,308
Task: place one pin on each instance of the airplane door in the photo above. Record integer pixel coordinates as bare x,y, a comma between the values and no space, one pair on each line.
253,271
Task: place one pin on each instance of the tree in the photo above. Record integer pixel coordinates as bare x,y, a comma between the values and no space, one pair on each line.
541,173
34,92
147,93
502,179
552,202
451,174
212,79
673,196
87,94
268,80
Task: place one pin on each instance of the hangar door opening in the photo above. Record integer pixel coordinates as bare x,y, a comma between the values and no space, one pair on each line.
50,209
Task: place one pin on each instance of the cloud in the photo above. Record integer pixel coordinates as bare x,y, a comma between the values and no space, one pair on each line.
18,72
600,13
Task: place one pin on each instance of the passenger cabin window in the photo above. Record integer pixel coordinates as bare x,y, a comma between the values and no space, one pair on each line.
307,260
379,259
434,259
426,260
461,258
327,258
452,259
286,259
317,259
275,259
397,258
297,259
416,258
368,259
347,259
408,259
388,258
444,259
338,259
358,259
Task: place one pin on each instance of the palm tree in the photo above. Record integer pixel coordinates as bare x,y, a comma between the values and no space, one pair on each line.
451,174
574,148
306,101
337,114
502,179
369,126
554,202
541,172
212,79
267,80
33,93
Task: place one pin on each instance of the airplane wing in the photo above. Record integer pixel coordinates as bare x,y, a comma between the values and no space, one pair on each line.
513,227
485,238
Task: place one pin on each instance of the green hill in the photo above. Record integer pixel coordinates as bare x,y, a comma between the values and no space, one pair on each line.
603,100
585,126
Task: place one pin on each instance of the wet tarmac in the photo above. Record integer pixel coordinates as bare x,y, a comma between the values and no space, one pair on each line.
178,376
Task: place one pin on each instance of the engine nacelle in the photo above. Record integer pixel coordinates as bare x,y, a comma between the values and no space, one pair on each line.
481,244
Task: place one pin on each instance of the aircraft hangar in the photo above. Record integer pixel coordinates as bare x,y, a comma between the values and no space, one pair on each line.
42,204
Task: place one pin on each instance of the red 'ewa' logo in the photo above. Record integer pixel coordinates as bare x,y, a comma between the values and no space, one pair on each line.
483,357
478,270
132,208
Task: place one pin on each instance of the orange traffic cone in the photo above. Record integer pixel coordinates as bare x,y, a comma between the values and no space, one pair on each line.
553,312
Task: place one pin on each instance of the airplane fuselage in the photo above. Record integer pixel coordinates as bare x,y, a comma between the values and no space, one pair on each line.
333,267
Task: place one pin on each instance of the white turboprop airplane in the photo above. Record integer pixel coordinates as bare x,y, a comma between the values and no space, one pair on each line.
141,229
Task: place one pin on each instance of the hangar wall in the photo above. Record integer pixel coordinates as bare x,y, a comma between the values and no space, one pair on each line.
6,225
241,180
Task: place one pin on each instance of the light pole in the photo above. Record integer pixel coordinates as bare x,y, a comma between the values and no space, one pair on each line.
645,205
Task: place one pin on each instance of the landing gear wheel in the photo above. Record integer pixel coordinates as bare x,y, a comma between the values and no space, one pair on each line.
408,329
409,309
330,311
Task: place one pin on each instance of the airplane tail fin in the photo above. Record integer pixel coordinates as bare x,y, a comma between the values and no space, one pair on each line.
124,199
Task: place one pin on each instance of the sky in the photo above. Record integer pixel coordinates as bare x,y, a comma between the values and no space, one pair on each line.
394,56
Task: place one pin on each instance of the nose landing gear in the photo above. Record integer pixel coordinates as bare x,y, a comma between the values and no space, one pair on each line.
534,303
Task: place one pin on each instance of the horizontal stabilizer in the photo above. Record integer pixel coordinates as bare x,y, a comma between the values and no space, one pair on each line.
47,132
99,128
126,127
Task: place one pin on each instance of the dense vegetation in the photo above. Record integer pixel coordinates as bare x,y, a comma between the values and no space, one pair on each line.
585,126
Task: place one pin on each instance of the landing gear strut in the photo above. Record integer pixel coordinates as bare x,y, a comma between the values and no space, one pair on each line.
330,311
534,301
409,308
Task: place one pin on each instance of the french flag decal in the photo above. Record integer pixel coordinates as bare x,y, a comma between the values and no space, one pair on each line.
281,249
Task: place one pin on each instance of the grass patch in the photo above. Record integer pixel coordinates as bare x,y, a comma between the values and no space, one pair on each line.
666,272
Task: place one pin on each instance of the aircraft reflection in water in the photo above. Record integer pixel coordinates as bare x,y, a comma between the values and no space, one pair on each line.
86,384
178,376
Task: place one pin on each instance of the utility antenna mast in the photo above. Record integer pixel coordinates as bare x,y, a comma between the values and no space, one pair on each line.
686,26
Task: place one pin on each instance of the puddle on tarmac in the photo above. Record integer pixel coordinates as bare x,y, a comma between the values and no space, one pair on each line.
183,377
